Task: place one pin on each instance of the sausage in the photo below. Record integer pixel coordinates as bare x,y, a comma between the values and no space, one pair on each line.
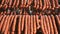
45,25
35,3
7,1
5,6
52,4
28,25
23,19
2,3
7,27
51,25
45,5
14,24
48,4
2,21
40,4
29,3
12,18
5,24
14,3
10,3
31,24
10,23
34,25
1,16
25,1
26,16
58,20
48,24
19,24
54,24
56,3
37,21
42,26
22,3
17,4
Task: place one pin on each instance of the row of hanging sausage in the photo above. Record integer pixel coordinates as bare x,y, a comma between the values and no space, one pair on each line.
37,4
29,24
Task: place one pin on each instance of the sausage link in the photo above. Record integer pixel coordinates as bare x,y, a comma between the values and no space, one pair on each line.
31,24
25,1
7,27
7,1
28,24
48,25
56,3
35,3
2,21
58,21
51,25
22,3
5,6
40,4
52,4
17,3
54,24
10,3
14,24
29,3
37,20
14,3
48,4
42,26
2,3
1,18
12,18
19,24
23,19
34,25
5,23
44,7
45,25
